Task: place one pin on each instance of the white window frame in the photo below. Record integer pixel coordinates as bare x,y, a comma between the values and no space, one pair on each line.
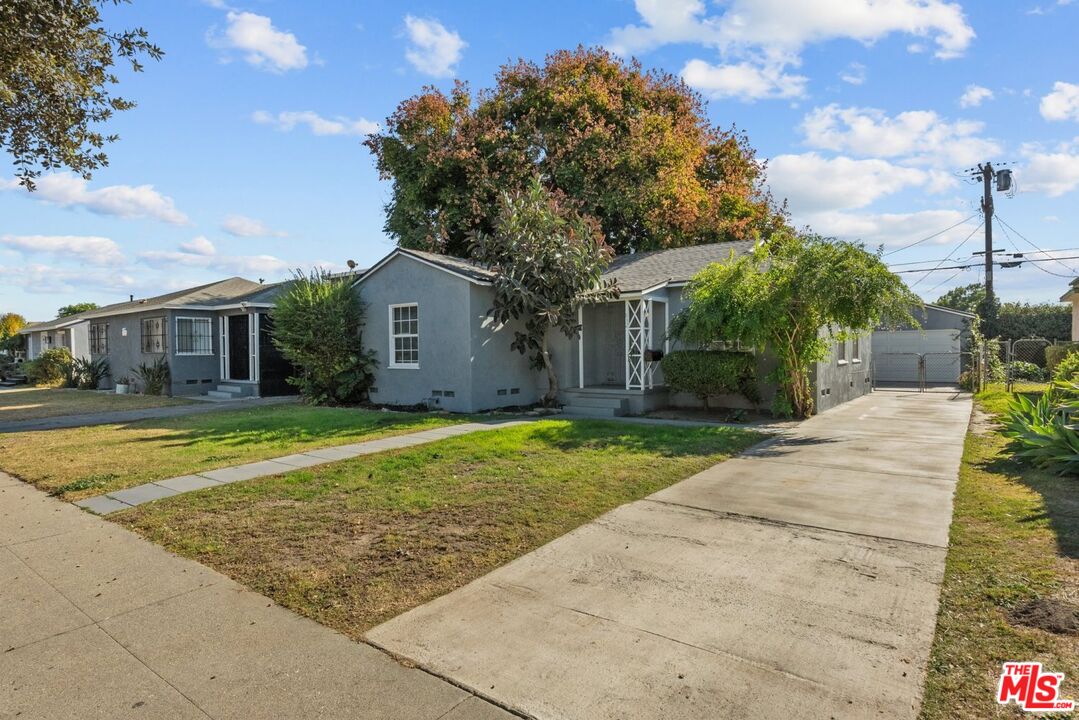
209,332
393,336
841,352
855,350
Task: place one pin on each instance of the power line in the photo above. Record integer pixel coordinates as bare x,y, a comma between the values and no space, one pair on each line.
942,282
1004,227
1028,242
930,237
949,257
999,262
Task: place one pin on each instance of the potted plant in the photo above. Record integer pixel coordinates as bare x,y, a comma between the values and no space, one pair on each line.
122,385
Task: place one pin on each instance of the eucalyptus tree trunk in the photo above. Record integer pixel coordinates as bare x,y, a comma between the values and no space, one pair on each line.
552,378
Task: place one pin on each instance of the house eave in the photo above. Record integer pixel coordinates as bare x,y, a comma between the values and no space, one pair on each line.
404,253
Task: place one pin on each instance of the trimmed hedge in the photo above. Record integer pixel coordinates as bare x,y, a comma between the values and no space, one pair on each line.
712,372
52,368
1068,368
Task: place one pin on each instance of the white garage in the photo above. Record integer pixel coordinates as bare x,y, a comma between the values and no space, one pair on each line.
898,355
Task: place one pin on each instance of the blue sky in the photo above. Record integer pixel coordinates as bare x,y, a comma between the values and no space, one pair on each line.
244,156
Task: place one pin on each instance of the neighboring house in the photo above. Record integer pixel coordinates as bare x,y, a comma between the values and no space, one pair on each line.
427,318
214,336
935,349
1072,296
70,332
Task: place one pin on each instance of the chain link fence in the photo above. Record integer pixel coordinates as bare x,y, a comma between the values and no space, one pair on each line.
933,371
1025,364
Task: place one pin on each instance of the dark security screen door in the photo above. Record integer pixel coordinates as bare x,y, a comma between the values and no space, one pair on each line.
239,347
274,369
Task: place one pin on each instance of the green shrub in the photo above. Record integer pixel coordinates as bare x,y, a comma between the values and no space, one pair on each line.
317,323
51,368
1067,368
1054,354
89,373
1042,432
1022,370
156,377
712,372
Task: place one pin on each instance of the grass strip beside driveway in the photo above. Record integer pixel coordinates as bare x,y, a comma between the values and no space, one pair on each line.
1014,541
357,542
35,404
82,462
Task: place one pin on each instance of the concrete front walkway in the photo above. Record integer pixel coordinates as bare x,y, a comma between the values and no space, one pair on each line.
798,580
132,496
96,623
125,416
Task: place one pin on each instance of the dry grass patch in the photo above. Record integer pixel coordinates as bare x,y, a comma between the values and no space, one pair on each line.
357,542
39,403
81,462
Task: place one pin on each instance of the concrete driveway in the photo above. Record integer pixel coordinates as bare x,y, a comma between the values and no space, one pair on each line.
799,580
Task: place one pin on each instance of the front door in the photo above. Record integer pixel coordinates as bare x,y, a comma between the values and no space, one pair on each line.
239,347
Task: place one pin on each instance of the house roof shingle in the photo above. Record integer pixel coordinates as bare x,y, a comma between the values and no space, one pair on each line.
469,268
641,271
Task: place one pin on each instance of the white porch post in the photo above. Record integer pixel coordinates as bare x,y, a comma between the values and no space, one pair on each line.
629,372
667,327
253,345
580,347
225,370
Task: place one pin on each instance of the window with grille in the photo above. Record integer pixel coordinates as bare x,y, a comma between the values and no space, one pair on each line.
153,335
99,339
194,336
841,351
855,351
405,336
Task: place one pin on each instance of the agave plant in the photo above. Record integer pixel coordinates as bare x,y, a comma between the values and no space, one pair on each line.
156,377
1042,430
89,373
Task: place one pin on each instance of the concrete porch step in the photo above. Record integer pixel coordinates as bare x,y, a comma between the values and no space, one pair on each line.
589,411
222,394
597,401
234,389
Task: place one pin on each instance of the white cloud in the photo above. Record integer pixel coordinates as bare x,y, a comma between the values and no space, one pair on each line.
126,201
40,279
771,34
317,124
432,49
892,230
853,74
919,135
90,249
201,253
1053,173
813,184
1062,103
263,45
1050,219
974,96
742,80
243,226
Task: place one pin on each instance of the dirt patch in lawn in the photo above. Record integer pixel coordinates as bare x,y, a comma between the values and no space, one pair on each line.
1047,614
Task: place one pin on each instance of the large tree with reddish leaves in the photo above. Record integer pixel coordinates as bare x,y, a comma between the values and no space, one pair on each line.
630,149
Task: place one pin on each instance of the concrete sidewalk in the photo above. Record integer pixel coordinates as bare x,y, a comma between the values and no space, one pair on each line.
125,416
798,580
97,623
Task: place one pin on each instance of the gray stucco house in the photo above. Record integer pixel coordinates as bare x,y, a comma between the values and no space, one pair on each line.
70,332
214,336
427,318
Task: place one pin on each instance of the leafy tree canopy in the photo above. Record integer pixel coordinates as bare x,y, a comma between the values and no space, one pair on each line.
547,260
967,298
632,150
783,294
10,324
56,61
75,308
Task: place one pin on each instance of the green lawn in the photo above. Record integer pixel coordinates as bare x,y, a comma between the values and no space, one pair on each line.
86,461
356,542
1014,539
37,403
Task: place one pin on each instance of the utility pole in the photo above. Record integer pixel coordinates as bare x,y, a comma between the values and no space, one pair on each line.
987,213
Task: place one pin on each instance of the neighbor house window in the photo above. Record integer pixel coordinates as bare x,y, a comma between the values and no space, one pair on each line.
153,335
99,339
194,336
841,351
855,351
405,336
46,342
